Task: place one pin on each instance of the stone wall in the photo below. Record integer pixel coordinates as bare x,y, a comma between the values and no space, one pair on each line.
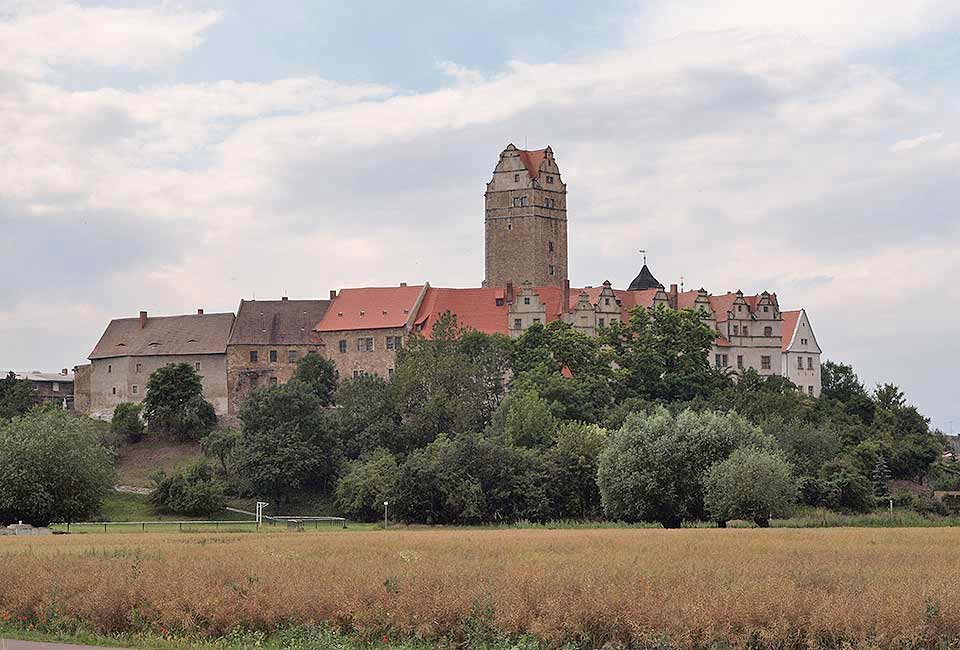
380,361
244,374
81,388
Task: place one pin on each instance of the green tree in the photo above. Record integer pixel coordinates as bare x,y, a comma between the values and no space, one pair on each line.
220,444
840,382
881,478
750,484
174,403
572,470
530,422
845,487
662,354
16,396
365,418
286,443
195,491
366,484
320,374
126,423
653,468
53,468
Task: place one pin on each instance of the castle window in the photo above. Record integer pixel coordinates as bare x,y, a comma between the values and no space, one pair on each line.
606,301
536,321
499,302
292,356
765,363
55,388
139,368
365,344
509,226
765,309
550,270
136,389
109,369
273,381
394,342
114,390
526,301
273,356
390,373
809,363
746,332
740,361
550,179
358,373
799,363
517,324
736,330
550,246
600,322
516,178
810,390
254,355
197,366
768,331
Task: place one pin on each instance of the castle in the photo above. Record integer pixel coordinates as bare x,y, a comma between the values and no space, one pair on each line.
361,329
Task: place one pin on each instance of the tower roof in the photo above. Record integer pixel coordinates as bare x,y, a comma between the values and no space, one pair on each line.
533,160
644,280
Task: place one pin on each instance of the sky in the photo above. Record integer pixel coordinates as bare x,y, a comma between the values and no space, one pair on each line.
167,156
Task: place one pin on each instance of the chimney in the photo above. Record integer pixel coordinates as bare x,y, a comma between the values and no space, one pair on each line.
509,291
672,297
282,298
64,372
199,312
403,284
143,319
333,294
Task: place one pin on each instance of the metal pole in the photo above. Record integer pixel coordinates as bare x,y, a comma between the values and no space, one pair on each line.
385,503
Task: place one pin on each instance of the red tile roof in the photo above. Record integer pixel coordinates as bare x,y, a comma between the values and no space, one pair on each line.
687,299
370,308
722,342
721,306
533,160
474,308
790,320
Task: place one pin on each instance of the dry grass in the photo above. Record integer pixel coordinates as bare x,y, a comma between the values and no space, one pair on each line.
137,462
883,587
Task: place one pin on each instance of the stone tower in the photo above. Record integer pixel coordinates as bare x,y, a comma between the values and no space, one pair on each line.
526,220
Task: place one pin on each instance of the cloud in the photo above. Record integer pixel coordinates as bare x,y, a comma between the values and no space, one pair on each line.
913,143
40,38
744,148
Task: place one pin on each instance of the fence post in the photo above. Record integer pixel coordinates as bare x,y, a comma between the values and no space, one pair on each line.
181,526
143,527
104,528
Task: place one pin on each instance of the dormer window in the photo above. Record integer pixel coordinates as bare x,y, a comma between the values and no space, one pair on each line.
499,302
526,301
765,309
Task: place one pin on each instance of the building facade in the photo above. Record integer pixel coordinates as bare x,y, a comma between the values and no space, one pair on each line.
525,223
54,388
268,338
131,349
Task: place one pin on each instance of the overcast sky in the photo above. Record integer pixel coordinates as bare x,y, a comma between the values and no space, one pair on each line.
173,155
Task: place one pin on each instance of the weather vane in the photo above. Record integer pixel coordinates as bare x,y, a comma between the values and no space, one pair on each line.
644,253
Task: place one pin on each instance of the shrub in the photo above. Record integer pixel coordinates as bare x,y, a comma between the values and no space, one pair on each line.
221,443
751,484
366,484
53,468
126,423
653,468
195,491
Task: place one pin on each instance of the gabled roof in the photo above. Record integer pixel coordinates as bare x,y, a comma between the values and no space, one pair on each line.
52,377
533,160
370,308
789,328
277,322
165,335
721,306
644,280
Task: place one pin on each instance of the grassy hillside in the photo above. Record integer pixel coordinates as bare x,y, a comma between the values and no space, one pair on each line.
135,463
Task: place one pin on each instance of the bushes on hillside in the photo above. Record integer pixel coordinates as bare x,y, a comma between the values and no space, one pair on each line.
53,468
126,423
195,491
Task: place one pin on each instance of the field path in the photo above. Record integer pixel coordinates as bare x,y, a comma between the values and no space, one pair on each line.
11,644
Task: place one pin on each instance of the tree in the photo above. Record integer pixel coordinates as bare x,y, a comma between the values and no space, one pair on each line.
126,422
320,374
840,382
286,442
16,396
174,403
845,488
365,419
530,422
53,468
750,484
221,443
366,484
881,478
662,354
572,470
195,492
653,468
